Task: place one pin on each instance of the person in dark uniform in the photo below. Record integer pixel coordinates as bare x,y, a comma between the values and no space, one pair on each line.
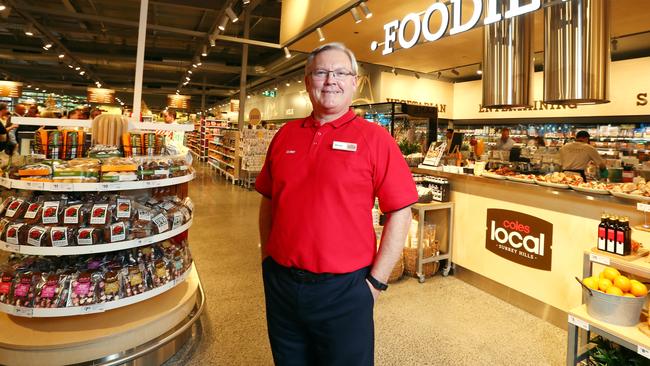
321,268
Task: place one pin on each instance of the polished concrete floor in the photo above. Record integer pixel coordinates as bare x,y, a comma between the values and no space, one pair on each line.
443,321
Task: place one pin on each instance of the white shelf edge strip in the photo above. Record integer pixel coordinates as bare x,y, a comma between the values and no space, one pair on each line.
96,248
94,308
90,187
87,123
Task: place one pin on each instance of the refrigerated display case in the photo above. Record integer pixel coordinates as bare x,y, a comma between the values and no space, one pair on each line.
413,126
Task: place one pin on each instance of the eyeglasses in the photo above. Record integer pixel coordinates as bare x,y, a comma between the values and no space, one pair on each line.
321,74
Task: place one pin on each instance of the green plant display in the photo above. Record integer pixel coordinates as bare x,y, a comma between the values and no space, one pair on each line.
408,148
608,353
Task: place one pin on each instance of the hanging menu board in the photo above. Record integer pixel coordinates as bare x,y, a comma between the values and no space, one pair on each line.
10,89
103,96
178,101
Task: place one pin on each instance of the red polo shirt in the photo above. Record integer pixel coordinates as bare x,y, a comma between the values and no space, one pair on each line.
322,182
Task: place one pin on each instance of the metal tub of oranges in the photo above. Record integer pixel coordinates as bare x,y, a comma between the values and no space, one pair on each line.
614,298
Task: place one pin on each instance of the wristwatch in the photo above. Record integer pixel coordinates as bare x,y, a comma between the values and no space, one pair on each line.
376,283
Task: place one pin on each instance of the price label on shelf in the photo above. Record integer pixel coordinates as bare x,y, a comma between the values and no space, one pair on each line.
21,311
68,187
643,351
95,308
604,260
643,207
578,322
36,186
5,182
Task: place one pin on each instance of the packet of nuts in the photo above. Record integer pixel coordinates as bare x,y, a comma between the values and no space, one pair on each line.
51,291
6,284
82,289
110,287
160,272
23,294
135,280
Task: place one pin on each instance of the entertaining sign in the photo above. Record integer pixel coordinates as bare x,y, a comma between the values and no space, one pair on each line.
519,238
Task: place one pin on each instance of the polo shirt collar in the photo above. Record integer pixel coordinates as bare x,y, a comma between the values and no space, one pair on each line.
310,121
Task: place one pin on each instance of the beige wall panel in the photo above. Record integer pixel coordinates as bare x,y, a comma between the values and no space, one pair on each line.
408,88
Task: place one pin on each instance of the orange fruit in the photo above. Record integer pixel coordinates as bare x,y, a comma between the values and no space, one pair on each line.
591,282
611,273
604,284
623,283
613,290
638,289
627,294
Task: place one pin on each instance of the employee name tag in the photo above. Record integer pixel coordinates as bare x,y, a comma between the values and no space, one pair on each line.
345,146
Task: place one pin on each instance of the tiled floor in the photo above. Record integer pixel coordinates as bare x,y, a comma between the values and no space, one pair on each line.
441,322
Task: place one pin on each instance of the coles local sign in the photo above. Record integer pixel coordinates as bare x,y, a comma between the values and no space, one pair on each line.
519,238
395,31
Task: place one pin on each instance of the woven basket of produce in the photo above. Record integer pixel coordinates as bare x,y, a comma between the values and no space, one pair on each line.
398,270
410,261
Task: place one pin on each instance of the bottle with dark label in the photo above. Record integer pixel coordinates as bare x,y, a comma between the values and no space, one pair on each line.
620,237
627,236
611,234
602,232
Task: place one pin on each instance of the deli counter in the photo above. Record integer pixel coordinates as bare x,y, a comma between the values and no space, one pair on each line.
524,242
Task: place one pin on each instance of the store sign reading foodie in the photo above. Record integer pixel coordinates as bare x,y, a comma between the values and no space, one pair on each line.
395,31
519,238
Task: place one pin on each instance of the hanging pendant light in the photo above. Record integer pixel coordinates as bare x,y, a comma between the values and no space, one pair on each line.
577,52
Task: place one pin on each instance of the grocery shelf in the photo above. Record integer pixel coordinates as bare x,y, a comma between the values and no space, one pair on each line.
222,171
93,187
578,318
222,154
87,123
94,308
92,249
227,147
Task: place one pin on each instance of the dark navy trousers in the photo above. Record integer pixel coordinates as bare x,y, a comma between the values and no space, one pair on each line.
318,321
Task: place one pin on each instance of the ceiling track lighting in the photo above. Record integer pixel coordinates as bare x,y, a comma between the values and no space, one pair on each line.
479,72
394,71
77,68
29,29
245,2
204,52
417,76
355,15
455,72
61,55
365,10
223,23
288,84
321,36
231,14
212,40
2,7
189,72
287,54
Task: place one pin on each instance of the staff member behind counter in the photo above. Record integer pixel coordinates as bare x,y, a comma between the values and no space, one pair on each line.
575,156
505,142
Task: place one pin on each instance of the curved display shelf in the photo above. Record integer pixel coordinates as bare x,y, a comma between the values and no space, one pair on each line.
94,187
87,123
92,249
94,308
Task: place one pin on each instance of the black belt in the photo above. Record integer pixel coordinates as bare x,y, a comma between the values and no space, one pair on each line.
303,275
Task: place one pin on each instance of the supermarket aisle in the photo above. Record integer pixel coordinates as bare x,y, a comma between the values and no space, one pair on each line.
441,322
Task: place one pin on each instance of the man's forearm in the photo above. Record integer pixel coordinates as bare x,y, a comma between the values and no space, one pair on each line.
265,222
392,243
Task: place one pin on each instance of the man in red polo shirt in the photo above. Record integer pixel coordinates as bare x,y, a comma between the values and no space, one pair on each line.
322,271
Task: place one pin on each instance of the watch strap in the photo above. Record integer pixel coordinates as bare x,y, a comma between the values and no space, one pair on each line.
376,283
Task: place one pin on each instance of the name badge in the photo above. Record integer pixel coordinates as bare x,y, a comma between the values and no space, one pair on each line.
345,146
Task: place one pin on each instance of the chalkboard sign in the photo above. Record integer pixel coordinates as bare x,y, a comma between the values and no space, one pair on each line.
456,142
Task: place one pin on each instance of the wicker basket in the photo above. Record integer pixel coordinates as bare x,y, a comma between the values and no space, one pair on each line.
398,270
410,261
